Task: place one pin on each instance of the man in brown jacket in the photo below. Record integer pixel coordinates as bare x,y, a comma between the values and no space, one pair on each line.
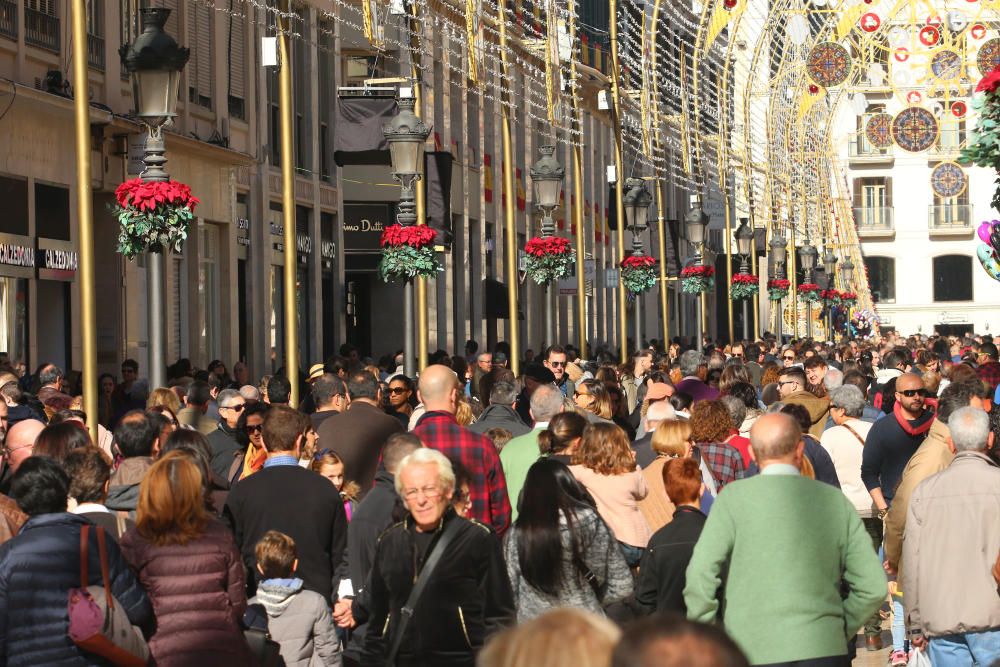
11,518
933,456
792,389
358,434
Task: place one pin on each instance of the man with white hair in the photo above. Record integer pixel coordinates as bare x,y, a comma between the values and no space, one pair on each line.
951,542
656,414
465,597
692,385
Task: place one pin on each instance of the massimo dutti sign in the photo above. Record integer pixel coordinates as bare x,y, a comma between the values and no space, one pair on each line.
364,224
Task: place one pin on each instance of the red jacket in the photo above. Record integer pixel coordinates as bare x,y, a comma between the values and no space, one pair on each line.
198,592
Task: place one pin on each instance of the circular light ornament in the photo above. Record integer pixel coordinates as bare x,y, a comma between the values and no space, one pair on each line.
914,129
930,35
958,109
828,64
870,22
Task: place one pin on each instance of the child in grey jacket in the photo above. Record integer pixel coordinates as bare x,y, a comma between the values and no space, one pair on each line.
299,620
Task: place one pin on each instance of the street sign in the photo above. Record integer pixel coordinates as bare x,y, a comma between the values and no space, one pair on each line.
611,278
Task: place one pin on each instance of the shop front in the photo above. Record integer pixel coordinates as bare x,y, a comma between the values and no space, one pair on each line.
374,308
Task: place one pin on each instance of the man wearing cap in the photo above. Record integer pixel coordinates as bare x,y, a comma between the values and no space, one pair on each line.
308,404
535,375
555,361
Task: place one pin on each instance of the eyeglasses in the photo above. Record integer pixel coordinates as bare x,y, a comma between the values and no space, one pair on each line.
558,364
428,492
782,383
789,358
398,390
256,428
910,393
235,408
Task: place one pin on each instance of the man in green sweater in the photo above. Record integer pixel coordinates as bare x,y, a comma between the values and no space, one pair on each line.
779,550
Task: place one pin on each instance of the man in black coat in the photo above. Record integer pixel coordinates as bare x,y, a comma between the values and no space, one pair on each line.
661,574
285,497
358,434
377,512
467,597
223,439
500,413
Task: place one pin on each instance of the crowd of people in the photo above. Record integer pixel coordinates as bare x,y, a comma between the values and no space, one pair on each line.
764,503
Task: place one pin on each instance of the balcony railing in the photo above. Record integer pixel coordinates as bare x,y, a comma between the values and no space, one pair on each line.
95,52
949,142
873,220
41,29
955,218
862,150
8,19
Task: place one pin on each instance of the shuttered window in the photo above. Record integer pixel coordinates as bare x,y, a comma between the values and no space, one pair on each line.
177,292
199,39
237,66
47,7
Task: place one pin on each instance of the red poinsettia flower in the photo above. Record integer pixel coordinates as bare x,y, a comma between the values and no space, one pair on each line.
638,262
779,283
147,197
744,279
808,287
698,271
541,246
990,82
415,236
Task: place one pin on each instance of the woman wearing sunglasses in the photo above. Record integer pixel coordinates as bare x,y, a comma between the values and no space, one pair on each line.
401,399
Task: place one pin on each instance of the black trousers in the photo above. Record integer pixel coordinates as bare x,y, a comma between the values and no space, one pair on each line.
832,661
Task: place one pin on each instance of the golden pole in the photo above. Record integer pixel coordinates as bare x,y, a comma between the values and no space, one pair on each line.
756,297
288,202
619,179
729,253
792,263
581,247
421,281
85,213
664,289
510,223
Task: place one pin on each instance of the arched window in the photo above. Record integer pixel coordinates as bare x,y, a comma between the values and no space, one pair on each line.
953,278
882,278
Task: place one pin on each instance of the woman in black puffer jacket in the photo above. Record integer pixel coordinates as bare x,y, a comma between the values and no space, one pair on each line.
41,564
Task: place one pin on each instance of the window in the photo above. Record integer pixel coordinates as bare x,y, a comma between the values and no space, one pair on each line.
95,33
882,278
41,24
237,66
14,319
51,212
953,278
199,68
14,195
873,202
208,290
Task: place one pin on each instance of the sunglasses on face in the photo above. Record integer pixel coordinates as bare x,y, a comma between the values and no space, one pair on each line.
398,390
910,393
558,364
789,358
235,408
256,428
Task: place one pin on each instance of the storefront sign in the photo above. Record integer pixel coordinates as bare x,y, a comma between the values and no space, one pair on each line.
57,260
243,232
304,244
12,254
64,260
328,249
364,224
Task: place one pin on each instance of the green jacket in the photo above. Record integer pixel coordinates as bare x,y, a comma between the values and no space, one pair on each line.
516,457
785,543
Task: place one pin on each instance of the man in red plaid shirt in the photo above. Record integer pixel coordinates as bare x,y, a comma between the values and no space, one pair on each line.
439,392
989,368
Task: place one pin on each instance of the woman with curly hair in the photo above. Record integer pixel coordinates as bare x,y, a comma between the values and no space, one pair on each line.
711,426
605,465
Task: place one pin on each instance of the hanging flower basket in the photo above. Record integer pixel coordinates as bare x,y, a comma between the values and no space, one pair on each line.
744,286
638,273
848,299
408,252
777,289
983,148
809,292
697,279
549,258
153,216
831,297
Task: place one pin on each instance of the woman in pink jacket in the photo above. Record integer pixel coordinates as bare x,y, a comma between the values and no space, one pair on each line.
604,464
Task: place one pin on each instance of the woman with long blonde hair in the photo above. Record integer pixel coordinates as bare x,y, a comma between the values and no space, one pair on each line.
592,396
189,563
671,440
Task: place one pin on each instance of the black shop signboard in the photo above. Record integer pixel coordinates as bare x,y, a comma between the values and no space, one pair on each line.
364,223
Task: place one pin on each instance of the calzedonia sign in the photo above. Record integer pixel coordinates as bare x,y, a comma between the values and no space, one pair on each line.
12,254
25,257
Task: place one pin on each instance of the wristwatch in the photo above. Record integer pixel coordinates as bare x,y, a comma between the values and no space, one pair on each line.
882,513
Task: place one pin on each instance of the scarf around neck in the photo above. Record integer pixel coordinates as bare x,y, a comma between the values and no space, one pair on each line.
907,425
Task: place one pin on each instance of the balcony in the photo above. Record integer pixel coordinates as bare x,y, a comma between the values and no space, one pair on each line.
862,151
95,52
8,19
874,221
41,30
950,220
949,142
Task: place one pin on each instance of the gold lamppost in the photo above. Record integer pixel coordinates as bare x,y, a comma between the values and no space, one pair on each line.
546,180
776,267
846,277
695,224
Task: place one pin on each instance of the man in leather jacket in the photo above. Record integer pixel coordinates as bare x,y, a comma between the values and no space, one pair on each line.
468,596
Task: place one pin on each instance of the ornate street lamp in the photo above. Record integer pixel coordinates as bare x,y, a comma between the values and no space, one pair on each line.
744,244
807,260
546,180
154,62
406,135
778,248
830,267
636,203
695,224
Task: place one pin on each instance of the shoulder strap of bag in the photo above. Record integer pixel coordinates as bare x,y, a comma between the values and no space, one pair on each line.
425,574
103,551
855,434
84,547
120,525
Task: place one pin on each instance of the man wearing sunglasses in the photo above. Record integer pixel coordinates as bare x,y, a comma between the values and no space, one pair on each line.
223,439
555,361
989,368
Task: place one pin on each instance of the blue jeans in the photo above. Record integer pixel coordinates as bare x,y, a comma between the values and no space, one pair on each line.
633,555
971,648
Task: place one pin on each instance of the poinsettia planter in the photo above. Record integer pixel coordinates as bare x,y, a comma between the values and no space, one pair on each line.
809,292
408,252
697,279
743,286
153,216
549,258
831,297
638,273
777,288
